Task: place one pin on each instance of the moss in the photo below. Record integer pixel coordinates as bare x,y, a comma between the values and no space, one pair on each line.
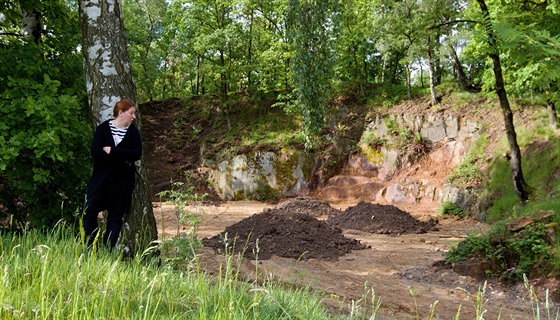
264,192
372,155
284,166
239,195
307,165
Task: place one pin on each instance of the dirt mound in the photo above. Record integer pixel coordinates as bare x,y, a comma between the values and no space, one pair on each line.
284,233
309,206
382,219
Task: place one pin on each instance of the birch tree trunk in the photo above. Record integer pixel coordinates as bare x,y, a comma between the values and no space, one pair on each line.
431,71
108,76
31,22
552,116
408,81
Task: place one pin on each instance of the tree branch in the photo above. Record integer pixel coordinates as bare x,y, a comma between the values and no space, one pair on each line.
11,34
451,22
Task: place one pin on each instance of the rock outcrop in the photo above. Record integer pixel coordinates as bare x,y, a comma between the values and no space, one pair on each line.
386,168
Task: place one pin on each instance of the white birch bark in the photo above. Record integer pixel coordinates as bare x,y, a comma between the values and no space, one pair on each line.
109,78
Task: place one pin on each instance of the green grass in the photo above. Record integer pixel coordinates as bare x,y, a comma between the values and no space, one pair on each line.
258,123
541,169
530,251
52,276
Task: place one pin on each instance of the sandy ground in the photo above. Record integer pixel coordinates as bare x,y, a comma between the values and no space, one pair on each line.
398,268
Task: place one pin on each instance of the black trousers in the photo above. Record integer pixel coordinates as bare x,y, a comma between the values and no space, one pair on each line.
104,198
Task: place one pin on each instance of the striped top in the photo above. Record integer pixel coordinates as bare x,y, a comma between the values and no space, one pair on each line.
118,133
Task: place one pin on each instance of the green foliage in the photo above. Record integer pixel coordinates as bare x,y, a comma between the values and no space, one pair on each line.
310,27
475,244
542,160
528,45
259,123
528,249
469,172
265,192
180,251
513,254
45,127
44,163
387,95
369,138
355,41
450,208
52,276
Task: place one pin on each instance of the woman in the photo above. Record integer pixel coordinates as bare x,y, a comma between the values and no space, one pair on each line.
116,145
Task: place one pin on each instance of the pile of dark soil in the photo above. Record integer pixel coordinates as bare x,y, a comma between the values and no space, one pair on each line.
309,206
284,233
382,219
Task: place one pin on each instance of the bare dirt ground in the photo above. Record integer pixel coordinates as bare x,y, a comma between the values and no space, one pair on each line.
398,252
403,268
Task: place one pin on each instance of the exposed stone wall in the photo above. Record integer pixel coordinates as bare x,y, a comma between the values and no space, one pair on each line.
260,175
451,138
288,172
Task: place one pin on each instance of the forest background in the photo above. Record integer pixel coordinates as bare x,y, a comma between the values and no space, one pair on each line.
289,54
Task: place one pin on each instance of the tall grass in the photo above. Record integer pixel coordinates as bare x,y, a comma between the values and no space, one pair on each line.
53,276
541,163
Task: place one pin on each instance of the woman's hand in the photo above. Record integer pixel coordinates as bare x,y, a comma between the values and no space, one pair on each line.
107,149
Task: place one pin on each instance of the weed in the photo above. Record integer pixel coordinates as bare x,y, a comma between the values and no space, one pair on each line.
450,208
183,247
367,306
475,244
468,174
513,254
47,276
549,312
418,147
369,138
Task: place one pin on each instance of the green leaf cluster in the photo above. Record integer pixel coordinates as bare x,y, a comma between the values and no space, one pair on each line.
450,208
43,142
45,127
512,254
310,26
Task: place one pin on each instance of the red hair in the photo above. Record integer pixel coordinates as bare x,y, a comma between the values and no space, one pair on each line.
123,106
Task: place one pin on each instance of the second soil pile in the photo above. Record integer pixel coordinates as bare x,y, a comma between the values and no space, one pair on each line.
292,230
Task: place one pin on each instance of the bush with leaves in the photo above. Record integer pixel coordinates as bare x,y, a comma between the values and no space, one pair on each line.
513,254
450,208
45,125
45,133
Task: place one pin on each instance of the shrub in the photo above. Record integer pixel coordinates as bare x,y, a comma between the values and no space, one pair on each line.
44,148
513,254
180,251
450,208
469,174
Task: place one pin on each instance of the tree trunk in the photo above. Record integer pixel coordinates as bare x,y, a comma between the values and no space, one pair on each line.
250,54
552,115
223,77
519,183
383,68
465,83
408,85
197,77
357,73
32,23
421,73
431,72
108,76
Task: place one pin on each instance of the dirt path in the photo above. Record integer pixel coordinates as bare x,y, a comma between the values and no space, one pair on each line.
394,266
